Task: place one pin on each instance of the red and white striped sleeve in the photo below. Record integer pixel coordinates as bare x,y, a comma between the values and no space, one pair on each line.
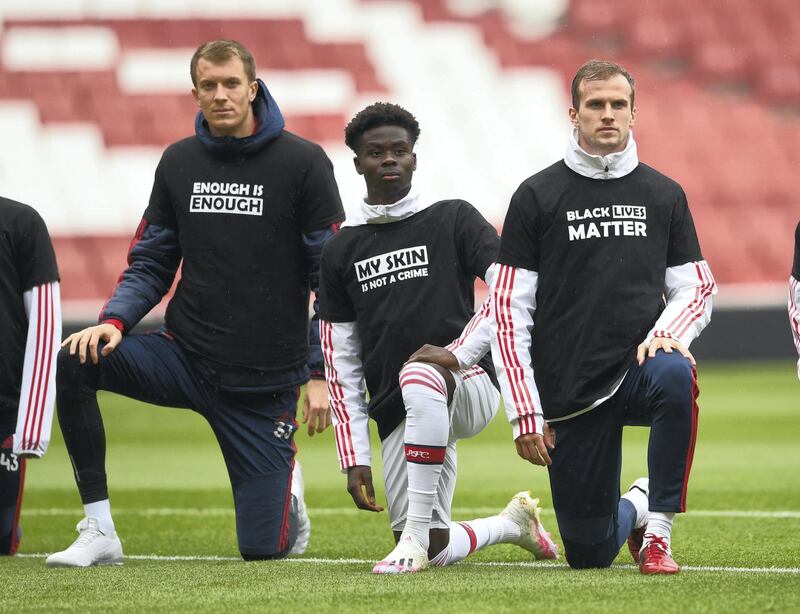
688,290
794,314
513,303
347,392
476,338
38,389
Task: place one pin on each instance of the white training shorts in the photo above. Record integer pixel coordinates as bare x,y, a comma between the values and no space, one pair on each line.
475,402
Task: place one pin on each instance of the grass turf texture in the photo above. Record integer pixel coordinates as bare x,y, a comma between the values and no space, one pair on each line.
171,498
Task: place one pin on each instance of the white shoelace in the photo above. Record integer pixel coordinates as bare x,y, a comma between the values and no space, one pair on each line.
87,536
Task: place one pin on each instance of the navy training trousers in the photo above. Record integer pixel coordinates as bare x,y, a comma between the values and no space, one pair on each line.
587,459
254,428
12,481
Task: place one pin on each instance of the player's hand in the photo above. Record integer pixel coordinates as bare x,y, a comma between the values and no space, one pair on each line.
435,355
316,410
645,350
89,338
359,485
534,447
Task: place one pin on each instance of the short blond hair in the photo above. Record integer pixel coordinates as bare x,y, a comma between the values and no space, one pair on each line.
220,51
598,70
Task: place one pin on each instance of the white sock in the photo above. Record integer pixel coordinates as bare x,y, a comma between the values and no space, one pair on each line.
660,525
640,502
426,434
101,511
469,537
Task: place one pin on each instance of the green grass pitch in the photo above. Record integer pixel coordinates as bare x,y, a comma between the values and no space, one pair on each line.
170,496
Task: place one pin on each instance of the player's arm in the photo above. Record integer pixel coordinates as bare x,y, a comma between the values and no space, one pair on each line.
344,373
688,290
513,294
476,338
316,409
472,345
477,245
320,211
38,390
153,259
794,314
794,295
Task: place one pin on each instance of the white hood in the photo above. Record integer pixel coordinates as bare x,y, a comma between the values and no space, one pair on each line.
612,166
385,214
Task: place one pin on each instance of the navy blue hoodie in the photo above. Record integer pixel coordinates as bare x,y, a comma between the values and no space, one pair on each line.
247,219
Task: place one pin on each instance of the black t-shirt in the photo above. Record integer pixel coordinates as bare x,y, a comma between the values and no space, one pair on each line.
243,295
27,260
601,248
796,265
405,284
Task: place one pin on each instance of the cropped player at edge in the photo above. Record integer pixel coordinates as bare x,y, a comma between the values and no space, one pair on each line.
246,207
600,290
401,273
794,295
30,312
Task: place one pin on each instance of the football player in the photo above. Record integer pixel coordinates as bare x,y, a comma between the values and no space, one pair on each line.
794,295
245,206
399,274
601,289
30,335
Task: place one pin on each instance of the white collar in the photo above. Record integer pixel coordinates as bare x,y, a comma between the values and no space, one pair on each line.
612,166
386,214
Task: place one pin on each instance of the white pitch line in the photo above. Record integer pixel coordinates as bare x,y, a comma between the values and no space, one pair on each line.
514,564
789,570
352,511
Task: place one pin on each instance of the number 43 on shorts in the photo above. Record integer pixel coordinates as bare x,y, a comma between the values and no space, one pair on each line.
9,461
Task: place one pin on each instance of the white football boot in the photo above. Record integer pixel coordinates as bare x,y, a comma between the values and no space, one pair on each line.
523,511
93,547
407,557
303,521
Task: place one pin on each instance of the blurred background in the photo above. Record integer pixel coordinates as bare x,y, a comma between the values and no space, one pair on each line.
91,91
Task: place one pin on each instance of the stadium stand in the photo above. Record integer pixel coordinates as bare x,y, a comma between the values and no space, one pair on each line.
90,92
720,94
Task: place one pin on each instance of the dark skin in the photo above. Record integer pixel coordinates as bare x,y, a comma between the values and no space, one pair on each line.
385,158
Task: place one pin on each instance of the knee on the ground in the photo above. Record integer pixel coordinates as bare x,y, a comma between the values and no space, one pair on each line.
264,529
292,534
585,556
589,543
265,557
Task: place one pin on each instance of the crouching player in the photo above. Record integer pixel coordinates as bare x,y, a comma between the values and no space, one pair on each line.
30,311
794,295
595,305
398,274
235,347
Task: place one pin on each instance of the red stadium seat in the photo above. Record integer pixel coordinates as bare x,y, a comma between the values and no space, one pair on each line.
710,76
779,84
590,19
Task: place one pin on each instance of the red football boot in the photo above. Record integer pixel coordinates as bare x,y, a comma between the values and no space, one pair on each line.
635,541
656,557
